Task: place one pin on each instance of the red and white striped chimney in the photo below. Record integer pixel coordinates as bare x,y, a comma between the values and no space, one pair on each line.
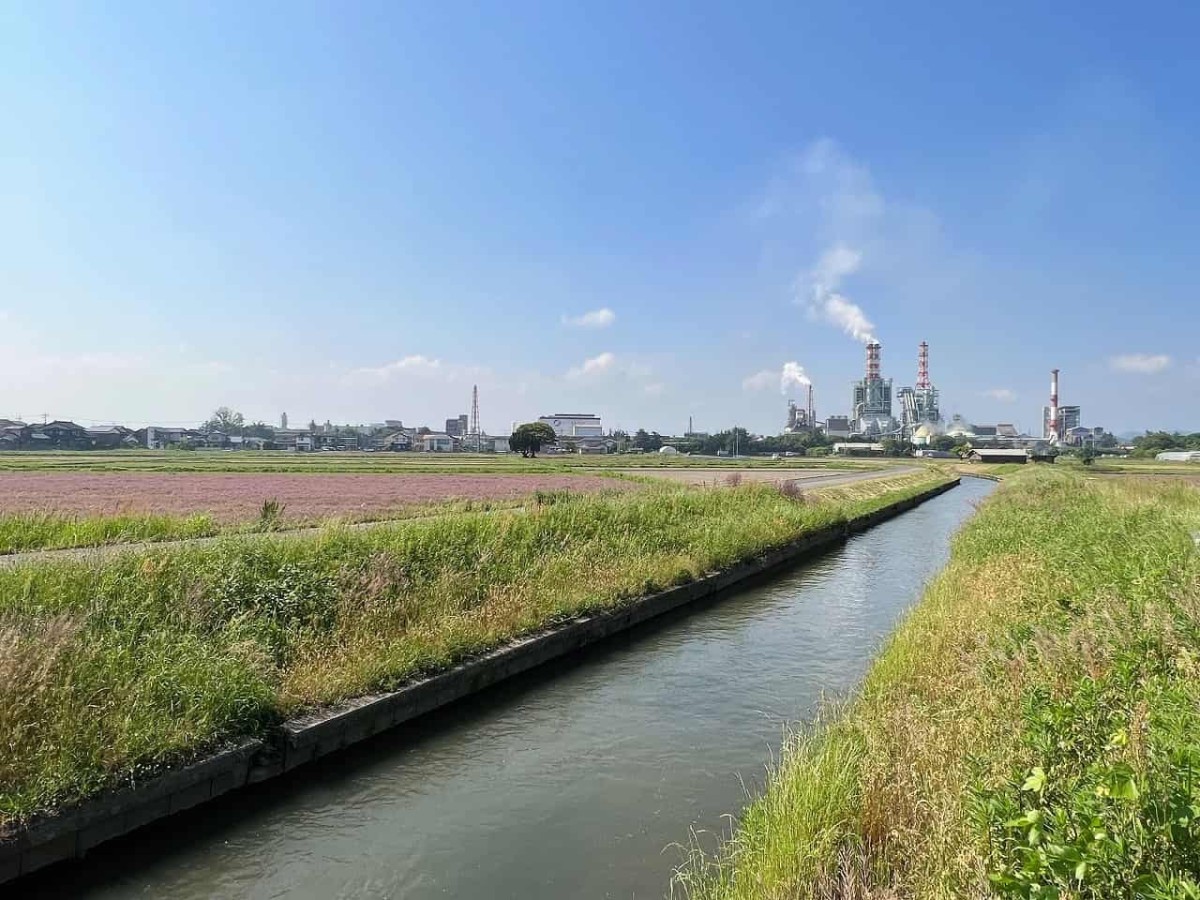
873,361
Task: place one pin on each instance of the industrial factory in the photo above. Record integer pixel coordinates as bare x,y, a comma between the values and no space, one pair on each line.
872,404
920,422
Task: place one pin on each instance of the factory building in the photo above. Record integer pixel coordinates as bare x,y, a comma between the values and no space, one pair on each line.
1069,418
837,427
574,425
919,405
801,419
872,399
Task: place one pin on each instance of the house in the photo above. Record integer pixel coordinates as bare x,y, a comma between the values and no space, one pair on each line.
394,441
998,455
238,442
297,439
858,449
436,442
64,435
111,437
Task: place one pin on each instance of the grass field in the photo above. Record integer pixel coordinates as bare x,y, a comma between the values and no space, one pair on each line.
1032,730
66,500
111,670
282,461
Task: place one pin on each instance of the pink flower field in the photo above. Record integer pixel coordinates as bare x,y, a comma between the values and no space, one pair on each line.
232,497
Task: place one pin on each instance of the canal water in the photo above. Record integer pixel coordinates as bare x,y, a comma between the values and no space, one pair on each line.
579,780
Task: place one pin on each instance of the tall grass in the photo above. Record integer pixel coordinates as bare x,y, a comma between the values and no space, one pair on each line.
53,531
112,670
1032,729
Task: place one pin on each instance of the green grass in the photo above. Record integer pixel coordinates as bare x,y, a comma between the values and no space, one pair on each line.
383,463
27,532
21,532
1031,730
113,670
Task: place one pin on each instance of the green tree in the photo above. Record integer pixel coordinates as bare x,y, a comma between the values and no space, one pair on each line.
224,420
893,447
260,430
529,438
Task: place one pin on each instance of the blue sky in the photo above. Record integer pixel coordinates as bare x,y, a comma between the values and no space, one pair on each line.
356,211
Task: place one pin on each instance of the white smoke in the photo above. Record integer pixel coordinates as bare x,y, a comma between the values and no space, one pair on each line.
827,302
792,375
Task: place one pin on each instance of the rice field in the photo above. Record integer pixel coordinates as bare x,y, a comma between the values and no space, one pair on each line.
235,497
1031,730
114,669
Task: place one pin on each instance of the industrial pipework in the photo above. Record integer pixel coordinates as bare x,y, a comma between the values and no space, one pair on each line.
1055,437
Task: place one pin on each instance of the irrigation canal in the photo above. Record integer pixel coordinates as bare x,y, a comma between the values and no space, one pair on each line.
575,780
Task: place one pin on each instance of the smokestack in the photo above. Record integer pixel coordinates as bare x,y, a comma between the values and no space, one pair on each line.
1055,437
812,413
873,361
923,366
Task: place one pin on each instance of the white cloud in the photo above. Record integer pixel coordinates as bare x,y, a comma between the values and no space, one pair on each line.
850,209
594,366
407,365
1140,363
1004,395
654,389
759,381
596,318
790,375
793,375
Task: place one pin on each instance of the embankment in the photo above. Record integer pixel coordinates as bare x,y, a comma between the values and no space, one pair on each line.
202,665
1030,730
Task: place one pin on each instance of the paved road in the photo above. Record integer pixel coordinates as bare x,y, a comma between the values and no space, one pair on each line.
807,479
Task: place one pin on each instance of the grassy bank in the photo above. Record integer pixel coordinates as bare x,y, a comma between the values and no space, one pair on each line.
1032,729
21,532
25,532
111,671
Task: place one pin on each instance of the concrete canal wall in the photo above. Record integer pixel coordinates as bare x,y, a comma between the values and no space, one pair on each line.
75,831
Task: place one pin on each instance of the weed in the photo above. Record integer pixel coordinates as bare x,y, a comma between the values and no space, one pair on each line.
1029,731
115,669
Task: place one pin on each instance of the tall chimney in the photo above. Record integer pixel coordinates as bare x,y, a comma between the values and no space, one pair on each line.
873,361
923,366
812,413
1055,437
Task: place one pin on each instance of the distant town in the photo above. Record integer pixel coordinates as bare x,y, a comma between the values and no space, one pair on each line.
870,429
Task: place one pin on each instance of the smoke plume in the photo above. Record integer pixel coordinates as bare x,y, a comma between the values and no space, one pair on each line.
792,376
828,302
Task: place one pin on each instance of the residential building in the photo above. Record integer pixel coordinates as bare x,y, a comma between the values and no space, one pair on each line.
65,435
111,437
437,443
